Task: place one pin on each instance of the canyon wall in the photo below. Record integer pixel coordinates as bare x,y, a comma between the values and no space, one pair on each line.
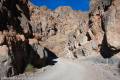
29,33
18,48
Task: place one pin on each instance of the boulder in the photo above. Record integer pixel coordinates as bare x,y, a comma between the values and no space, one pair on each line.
3,53
2,38
38,55
112,18
5,62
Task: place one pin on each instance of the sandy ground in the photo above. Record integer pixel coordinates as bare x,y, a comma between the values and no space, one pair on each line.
85,68
80,69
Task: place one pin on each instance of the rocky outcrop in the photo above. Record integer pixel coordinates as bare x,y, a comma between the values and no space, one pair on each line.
73,31
101,34
82,32
53,27
16,48
108,13
96,18
5,61
15,15
17,52
81,42
112,24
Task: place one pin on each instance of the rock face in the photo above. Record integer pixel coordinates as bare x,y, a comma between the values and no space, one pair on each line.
16,53
103,30
71,31
97,18
108,13
53,27
47,23
82,33
16,50
5,60
14,18
112,25
102,34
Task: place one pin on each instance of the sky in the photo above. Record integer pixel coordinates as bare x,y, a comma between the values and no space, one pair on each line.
82,5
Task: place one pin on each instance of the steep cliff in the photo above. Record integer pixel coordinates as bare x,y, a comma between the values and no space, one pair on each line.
17,47
108,25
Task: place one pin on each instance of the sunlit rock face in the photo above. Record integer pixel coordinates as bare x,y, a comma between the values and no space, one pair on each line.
108,11
104,20
113,25
52,28
75,29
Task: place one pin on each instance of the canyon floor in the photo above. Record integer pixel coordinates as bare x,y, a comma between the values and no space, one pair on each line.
85,68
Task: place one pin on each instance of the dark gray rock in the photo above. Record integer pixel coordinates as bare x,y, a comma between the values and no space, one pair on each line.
38,55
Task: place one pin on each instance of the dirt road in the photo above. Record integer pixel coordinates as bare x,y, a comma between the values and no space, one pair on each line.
66,69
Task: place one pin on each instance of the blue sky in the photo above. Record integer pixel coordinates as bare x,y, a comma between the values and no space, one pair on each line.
82,5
